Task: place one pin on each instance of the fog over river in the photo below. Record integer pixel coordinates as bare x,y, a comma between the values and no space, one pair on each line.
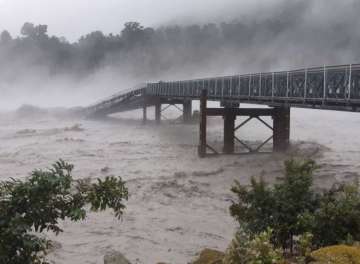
178,202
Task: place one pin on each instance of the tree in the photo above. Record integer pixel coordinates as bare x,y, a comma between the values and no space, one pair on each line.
254,208
293,198
133,34
31,31
38,203
5,37
28,29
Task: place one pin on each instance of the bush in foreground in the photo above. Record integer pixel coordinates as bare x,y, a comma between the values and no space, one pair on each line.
40,202
299,218
258,250
280,208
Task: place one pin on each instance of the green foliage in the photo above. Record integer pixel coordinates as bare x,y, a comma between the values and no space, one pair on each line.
254,209
258,250
40,202
304,247
262,250
338,218
237,252
292,209
293,197
280,208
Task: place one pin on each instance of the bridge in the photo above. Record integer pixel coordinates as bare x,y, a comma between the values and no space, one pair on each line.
327,87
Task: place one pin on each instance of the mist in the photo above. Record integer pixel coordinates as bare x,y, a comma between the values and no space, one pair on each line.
58,56
38,66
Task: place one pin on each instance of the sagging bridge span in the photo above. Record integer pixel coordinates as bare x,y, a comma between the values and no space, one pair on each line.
328,87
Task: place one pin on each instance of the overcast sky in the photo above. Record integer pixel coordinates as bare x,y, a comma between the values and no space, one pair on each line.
72,18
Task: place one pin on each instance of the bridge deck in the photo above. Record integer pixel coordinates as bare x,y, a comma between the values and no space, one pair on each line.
328,87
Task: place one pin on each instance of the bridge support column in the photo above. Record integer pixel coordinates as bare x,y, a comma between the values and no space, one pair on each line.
229,131
203,124
187,111
158,113
144,114
281,128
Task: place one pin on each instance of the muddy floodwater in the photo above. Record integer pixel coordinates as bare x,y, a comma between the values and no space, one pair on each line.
178,203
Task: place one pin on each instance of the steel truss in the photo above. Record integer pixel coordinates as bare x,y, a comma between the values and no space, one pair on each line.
259,147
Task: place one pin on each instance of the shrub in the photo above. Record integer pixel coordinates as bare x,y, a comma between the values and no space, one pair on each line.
254,207
280,208
339,211
258,250
238,251
293,197
291,209
38,203
262,250
304,246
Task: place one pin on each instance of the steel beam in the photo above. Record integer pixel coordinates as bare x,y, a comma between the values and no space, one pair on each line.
253,112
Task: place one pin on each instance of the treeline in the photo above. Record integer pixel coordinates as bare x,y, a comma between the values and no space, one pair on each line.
294,35
138,49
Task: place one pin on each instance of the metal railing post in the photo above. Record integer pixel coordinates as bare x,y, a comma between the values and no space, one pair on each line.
250,85
222,87
239,89
287,84
350,80
216,87
305,84
272,86
324,92
260,85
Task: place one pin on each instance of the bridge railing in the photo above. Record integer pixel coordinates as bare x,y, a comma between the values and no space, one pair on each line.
117,98
319,86
335,84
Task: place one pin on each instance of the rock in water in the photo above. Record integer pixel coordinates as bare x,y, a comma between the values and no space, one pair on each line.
115,257
210,256
53,246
